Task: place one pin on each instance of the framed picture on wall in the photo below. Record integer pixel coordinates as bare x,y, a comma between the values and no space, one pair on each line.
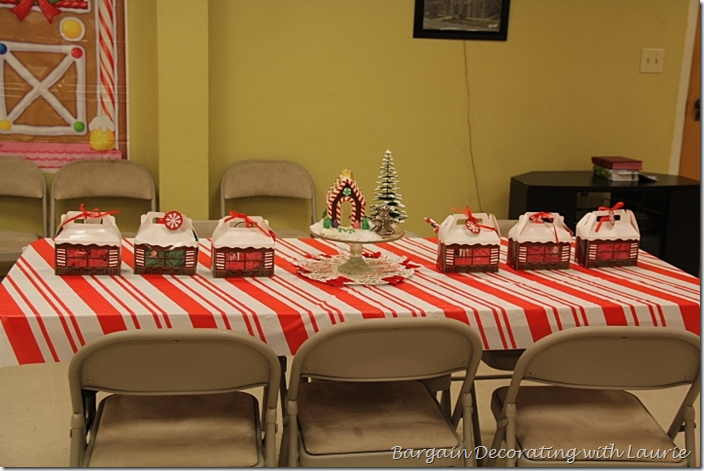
461,19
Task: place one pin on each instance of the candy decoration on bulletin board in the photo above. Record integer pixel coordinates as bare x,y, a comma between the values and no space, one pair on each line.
46,6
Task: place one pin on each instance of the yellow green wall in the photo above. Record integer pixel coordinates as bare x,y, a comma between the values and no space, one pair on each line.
333,84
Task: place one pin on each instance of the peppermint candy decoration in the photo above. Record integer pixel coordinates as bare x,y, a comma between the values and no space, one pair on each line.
612,217
471,224
173,220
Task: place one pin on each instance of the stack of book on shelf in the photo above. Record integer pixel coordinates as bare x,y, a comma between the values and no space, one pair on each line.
617,169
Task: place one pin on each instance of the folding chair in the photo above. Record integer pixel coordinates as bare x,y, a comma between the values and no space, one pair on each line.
366,403
20,178
269,178
205,228
175,400
585,417
102,179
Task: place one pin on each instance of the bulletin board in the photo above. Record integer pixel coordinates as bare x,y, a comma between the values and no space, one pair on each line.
63,94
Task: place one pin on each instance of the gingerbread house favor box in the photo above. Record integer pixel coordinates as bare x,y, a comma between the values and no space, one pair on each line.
607,238
468,243
165,243
242,246
539,240
87,243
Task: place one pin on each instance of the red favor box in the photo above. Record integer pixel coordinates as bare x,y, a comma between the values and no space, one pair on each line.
242,246
540,240
165,243
462,251
607,238
87,243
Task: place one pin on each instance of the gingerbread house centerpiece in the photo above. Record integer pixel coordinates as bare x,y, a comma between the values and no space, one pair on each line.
165,244
242,246
468,243
346,205
608,237
540,240
345,218
87,243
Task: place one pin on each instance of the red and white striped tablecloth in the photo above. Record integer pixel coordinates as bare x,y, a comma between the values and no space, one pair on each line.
47,318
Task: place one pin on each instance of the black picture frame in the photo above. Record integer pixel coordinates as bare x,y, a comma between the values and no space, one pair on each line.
461,19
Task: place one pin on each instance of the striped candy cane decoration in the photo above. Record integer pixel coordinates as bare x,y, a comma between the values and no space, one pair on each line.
106,58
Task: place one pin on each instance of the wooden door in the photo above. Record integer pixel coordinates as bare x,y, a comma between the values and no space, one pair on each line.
690,158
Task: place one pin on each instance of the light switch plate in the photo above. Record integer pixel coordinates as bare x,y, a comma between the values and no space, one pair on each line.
652,61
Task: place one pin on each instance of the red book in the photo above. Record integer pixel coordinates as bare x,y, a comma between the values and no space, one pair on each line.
618,163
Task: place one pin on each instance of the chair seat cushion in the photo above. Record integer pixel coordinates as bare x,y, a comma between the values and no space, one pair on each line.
11,241
338,417
585,419
208,430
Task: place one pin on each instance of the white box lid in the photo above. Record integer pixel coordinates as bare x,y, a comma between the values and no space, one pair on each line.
454,231
593,227
172,229
540,227
232,232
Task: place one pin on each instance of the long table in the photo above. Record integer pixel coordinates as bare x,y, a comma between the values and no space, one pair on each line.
47,318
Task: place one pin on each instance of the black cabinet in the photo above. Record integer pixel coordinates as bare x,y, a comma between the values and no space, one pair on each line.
667,211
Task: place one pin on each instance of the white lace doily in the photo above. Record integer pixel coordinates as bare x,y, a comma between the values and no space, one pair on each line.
383,270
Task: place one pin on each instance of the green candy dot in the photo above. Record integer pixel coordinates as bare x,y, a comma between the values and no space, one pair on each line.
78,126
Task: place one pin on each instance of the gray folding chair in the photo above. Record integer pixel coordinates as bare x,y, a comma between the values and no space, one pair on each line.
175,400
269,178
366,403
205,228
586,407
102,179
21,178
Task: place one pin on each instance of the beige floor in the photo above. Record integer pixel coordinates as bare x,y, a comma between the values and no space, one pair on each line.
35,411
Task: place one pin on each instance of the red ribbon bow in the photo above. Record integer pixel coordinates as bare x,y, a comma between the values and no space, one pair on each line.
542,217
24,6
472,223
372,255
393,280
249,222
85,214
611,217
407,263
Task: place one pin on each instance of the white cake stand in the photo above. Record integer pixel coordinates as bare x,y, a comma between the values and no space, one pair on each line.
354,267
357,265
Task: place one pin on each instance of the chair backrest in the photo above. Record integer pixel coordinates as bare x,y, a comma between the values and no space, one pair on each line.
395,349
612,358
173,361
20,177
276,178
205,228
101,178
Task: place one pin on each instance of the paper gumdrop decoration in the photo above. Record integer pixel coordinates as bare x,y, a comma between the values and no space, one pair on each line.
387,191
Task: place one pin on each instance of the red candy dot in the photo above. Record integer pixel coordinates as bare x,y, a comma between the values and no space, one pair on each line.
77,52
